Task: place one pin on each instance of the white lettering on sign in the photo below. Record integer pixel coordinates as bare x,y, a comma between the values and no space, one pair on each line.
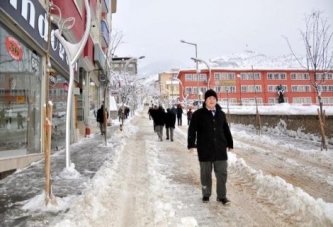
43,27
24,12
28,10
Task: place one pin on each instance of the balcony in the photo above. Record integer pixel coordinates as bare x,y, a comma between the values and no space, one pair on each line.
99,57
105,6
105,34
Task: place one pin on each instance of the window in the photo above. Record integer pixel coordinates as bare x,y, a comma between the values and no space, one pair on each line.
188,77
300,88
273,88
302,100
227,76
232,89
324,76
330,88
203,77
217,76
188,90
218,89
249,76
300,76
276,76
252,88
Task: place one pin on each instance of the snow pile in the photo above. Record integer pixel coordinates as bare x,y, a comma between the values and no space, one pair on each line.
39,203
70,172
293,202
89,207
278,109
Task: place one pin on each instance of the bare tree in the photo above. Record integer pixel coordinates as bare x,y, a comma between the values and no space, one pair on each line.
317,39
117,39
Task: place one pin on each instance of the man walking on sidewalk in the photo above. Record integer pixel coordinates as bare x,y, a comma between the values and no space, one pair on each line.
209,132
170,123
101,118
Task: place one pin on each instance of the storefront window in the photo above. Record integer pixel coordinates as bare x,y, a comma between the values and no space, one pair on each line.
20,104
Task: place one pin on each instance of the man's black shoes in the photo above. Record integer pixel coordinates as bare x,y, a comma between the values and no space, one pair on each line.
205,199
224,201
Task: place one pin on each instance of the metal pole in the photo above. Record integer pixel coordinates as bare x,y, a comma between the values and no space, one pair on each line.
240,89
197,66
171,93
197,70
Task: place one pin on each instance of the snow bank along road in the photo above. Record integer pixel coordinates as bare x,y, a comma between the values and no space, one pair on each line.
152,183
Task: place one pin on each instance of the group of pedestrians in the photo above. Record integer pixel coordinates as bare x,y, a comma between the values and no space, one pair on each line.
123,113
161,118
168,118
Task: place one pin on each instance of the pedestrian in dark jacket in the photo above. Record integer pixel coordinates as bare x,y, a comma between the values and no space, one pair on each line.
149,112
179,114
174,110
153,114
170,124
209,132
159,119
189,116
127,110
101,118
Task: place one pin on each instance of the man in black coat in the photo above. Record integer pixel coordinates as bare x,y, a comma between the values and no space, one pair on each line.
209,132
101,118
170,124
159,120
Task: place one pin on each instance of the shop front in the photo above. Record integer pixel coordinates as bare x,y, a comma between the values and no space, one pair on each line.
24,80
20,96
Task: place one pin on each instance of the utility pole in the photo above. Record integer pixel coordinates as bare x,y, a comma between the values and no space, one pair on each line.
47,114
258,121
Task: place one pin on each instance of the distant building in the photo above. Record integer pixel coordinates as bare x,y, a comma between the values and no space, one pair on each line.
118,65
243,86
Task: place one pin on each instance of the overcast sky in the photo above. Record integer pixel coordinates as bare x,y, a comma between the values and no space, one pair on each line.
154,28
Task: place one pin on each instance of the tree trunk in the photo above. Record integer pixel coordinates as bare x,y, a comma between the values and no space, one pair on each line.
322,122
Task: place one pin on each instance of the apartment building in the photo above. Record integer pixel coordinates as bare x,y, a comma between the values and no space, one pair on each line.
169,86
245,86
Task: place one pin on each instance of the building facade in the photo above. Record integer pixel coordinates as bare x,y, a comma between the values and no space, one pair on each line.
245,86
27,81
169,87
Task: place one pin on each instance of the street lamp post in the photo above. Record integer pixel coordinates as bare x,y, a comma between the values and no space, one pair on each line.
196,65
130,60
209,69
240,89
228,112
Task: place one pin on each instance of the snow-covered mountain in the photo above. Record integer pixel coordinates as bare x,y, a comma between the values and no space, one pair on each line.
160,66
150,72
247,59
240,60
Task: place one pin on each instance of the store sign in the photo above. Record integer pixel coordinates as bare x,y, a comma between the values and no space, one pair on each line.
14,48
31,17
20,99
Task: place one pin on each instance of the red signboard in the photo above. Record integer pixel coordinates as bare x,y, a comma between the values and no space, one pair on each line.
14,48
